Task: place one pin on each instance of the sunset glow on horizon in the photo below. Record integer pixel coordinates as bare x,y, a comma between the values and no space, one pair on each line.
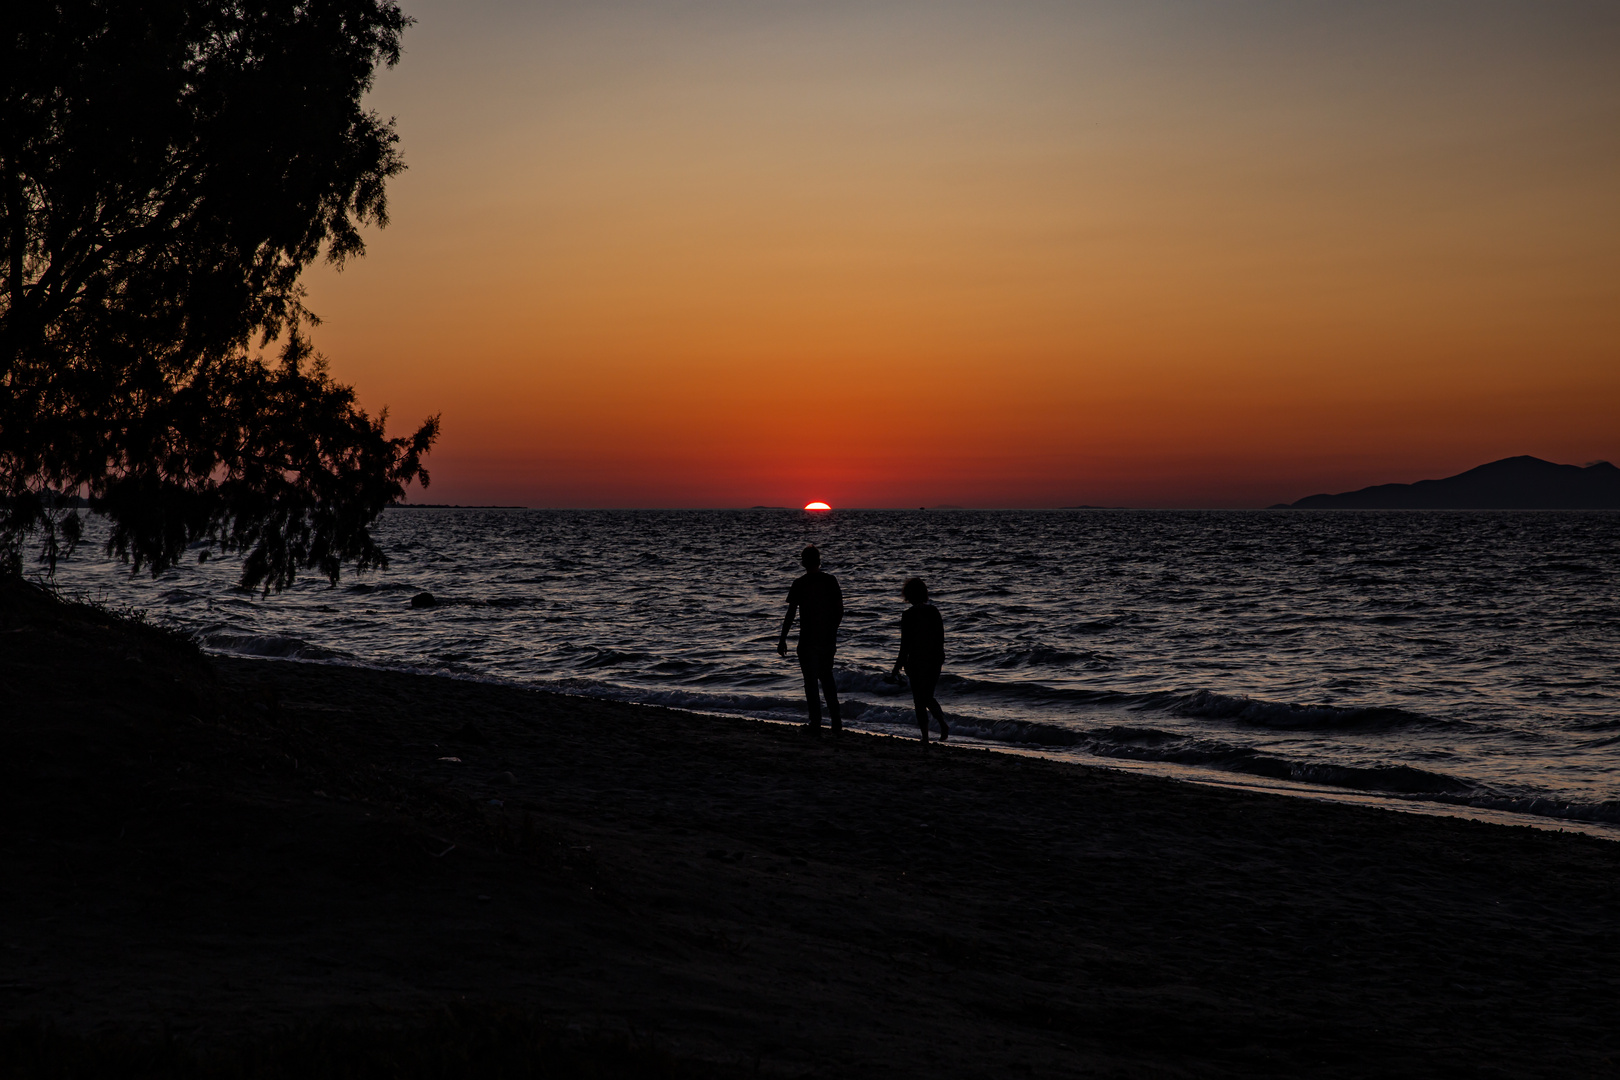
1176,253
817,506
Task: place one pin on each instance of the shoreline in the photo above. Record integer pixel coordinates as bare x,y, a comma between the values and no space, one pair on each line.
1395,802
225,847
1238,673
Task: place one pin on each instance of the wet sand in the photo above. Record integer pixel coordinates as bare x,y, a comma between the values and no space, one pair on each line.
228,846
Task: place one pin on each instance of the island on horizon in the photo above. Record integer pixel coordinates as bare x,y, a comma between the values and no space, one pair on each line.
1515,483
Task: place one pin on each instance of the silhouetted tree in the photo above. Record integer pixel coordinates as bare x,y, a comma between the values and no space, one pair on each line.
168,168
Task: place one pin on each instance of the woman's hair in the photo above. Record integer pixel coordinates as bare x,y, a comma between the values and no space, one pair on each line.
915,590
811,557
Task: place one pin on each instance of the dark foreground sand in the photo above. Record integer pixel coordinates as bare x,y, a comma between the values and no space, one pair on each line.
229,847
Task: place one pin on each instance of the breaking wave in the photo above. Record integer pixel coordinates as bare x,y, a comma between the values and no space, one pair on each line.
1208,705
272,646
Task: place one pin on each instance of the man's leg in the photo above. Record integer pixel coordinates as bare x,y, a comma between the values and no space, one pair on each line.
810,665
831,688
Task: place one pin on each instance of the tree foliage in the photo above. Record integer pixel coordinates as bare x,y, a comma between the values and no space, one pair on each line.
168,169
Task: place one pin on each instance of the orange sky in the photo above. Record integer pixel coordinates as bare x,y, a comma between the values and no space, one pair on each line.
1018,254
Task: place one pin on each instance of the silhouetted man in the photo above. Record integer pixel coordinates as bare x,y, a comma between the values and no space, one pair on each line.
820,604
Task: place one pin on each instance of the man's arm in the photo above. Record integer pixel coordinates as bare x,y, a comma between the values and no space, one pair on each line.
787,624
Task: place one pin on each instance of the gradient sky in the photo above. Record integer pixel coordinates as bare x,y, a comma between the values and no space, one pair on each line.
1180,253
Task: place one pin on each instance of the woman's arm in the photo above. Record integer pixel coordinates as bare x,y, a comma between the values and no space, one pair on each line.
905,652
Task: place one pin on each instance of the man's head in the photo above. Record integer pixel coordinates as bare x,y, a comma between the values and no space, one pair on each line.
811,558
915,591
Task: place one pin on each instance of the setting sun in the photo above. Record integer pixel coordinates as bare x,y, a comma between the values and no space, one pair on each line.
817,506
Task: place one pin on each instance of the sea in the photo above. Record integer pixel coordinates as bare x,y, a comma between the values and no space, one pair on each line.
1440,662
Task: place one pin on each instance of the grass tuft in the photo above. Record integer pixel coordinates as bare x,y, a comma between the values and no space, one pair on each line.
45,603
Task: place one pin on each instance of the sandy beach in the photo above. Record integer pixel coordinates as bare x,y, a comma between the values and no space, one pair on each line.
222,848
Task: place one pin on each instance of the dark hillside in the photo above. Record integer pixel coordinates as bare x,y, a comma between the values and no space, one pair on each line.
1516,483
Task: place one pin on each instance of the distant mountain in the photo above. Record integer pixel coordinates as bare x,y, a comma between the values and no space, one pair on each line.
1515,483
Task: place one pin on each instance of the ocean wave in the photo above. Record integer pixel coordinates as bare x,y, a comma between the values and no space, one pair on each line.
1043,656
783,707
441,600
872,712
764,705
273,646
1199,705
1124,734
1022,732
1102,624
610,658
866,681
1209,705
1040,693
1149,745
362,587
1607,813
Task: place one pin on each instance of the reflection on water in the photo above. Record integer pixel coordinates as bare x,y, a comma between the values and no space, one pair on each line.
1463,659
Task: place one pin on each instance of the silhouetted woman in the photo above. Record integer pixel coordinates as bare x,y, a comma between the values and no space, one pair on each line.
922,654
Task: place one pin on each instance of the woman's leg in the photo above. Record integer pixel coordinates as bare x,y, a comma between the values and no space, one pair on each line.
922,696
930,683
